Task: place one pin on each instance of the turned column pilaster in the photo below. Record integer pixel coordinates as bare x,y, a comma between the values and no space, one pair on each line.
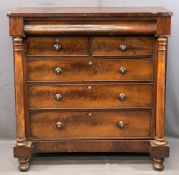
19,90
23,147
159,146
160,98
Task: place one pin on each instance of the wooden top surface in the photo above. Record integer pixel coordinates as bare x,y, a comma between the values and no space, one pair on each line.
92,12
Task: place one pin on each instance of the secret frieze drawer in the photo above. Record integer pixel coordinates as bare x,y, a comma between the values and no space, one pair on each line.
90,70
56,125
85,46
90,96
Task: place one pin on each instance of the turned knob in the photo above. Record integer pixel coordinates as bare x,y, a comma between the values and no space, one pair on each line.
58,70
57,46
59,125
123,47
121,124
122,97
122,70
58,97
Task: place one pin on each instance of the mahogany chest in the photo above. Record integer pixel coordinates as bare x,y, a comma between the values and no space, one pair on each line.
90,80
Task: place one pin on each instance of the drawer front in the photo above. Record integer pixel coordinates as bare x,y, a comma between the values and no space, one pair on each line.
90,70
90,96
63,125
57,46
122,46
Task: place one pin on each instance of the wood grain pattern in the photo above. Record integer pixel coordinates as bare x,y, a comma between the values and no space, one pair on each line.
90,146
16,26
93,12
56,27
80,124
160,101
82,101
163,21
90,96
69,45
90,70
19,90
111,46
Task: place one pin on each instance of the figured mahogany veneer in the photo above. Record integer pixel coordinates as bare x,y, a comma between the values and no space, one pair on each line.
89,70
90,96
90,80
68,46
98,125
122,46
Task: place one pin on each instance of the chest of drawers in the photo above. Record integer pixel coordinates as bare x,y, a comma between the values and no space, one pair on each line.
90,80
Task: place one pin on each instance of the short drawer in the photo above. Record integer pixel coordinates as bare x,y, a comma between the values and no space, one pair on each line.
122,46
90,70
90,96
64,125
57,46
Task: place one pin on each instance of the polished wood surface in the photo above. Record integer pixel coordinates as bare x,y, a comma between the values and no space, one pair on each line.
16,28
160,101
101,46
19,91
90,96
100,145
92,27
89,125
111,46
90,80
68,46
80,12
90,70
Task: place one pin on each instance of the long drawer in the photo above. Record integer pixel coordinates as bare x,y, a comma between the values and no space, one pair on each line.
64,125
90,70
90,96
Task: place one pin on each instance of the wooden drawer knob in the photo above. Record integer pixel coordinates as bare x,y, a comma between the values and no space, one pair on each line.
57,46
122,70
122,97
59,125
123,47
58,97
121,124
58,70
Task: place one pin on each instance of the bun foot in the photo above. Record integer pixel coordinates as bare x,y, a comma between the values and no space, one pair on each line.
158,164
23,165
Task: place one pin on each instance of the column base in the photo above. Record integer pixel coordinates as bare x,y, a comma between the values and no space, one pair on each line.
159,150
23,151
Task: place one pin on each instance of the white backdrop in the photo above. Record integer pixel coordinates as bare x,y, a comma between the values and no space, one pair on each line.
7,106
